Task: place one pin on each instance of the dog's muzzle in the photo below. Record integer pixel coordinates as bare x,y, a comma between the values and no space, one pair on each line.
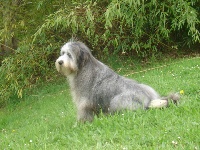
62,67
59,64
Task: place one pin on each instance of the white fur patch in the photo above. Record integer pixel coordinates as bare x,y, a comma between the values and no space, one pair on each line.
157,103
66,47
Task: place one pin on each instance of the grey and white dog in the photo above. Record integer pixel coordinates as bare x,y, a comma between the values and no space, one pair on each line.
96,88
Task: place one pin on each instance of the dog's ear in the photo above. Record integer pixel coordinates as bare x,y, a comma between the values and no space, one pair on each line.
83,58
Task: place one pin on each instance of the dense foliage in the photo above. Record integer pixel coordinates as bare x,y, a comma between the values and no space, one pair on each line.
33,31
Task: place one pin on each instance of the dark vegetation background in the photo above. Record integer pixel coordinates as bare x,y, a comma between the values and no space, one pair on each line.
32,32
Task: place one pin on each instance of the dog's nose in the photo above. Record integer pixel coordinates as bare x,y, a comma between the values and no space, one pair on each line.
60,62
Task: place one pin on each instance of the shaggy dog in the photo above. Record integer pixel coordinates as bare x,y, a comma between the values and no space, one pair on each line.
95,87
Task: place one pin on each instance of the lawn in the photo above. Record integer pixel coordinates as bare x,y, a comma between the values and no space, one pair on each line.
46,118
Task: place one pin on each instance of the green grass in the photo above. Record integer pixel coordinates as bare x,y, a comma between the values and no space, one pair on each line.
46,119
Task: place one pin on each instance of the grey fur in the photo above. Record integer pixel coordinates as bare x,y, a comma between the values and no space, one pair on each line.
95,87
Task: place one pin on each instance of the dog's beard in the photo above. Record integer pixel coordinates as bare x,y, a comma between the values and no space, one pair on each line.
65,69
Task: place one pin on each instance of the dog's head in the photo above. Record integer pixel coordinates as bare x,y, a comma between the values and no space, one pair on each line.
73,56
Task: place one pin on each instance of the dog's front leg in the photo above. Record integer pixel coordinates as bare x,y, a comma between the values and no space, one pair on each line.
85,112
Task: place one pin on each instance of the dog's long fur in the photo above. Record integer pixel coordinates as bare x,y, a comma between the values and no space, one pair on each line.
95,87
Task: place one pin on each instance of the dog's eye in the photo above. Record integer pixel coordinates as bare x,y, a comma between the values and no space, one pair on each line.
69,55
62,53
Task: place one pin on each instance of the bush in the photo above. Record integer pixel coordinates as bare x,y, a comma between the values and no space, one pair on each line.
142,28
21,71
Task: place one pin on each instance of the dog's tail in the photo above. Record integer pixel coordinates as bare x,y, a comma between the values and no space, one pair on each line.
175,97
164,101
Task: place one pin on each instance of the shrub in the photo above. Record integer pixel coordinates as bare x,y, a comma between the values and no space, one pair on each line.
21,71
142,28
